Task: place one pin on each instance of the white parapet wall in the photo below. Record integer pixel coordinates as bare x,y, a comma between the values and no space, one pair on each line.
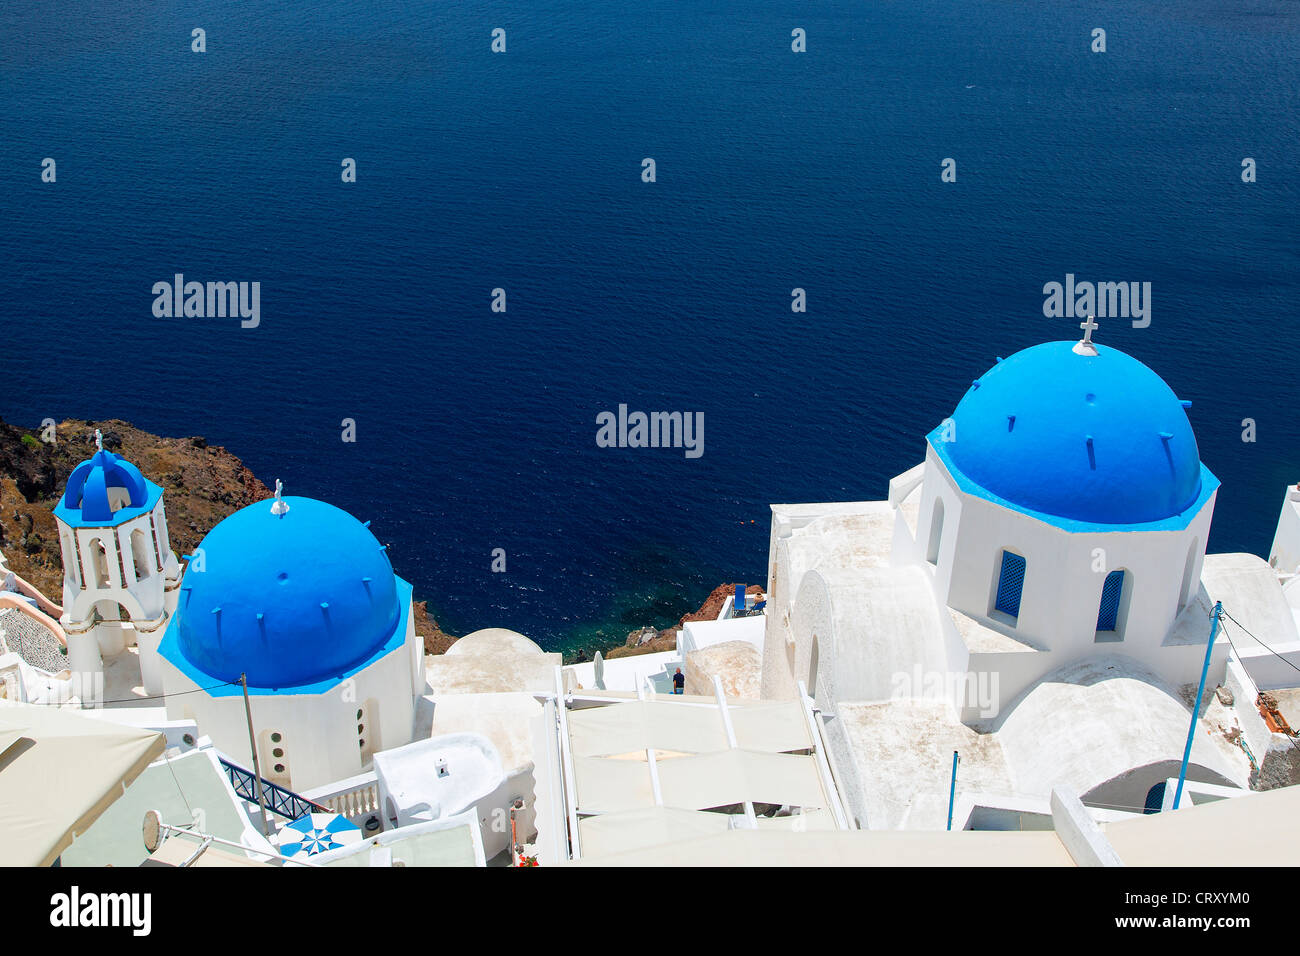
696,635
1285,554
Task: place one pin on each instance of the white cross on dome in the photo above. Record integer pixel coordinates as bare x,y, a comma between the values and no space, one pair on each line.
1086,346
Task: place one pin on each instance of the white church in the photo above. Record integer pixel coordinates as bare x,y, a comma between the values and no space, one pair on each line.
1035,595
296,600
293,599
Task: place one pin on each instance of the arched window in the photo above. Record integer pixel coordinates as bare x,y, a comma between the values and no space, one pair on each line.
99,562
1011,582
936,532
1110,614
140,555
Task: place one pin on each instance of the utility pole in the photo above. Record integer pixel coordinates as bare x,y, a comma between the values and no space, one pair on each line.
1196,704
257,770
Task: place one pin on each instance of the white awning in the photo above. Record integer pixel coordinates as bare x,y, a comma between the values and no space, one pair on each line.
771,727
58,773
638,829
674,725
636,725
699,781
739,776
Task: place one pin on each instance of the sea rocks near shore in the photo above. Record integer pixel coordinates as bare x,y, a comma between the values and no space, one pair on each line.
649,640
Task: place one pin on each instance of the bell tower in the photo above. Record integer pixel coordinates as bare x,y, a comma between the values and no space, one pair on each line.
119,573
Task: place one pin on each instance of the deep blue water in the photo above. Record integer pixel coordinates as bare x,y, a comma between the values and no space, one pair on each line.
775,170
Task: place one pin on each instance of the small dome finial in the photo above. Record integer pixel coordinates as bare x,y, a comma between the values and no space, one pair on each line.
1085,346
99,440
280,506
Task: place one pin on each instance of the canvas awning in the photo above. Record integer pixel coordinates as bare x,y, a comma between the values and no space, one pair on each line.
58,773
736,776
631,830
699,781
638,829
636,725
771,727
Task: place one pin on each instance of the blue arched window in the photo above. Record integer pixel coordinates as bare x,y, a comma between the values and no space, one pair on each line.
1111,594
1011,582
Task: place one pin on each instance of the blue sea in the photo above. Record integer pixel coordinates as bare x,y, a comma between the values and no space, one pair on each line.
475,430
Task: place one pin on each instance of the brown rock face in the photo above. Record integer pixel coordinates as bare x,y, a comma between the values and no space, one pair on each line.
713,603
202,484
436,640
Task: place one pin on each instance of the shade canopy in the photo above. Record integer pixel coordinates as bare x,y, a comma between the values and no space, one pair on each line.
314,833
767,726
58,773
647,827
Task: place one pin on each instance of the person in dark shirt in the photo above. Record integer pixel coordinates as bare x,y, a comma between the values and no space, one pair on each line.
679,682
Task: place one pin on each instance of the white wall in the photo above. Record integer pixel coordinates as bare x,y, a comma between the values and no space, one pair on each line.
699,634
1285,554
1064,576
318,731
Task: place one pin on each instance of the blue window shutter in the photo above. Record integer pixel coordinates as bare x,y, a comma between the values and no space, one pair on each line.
1111,592
1011,581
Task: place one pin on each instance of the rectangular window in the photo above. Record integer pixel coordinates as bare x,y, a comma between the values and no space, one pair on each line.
1111,592
1011,581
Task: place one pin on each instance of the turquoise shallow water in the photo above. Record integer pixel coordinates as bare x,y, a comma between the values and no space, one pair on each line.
476,430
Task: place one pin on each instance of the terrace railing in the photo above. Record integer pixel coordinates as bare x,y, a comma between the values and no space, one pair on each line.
284,802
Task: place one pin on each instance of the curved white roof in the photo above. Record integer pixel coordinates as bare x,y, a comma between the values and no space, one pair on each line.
1098,719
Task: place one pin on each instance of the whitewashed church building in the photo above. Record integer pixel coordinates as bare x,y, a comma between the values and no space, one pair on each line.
298,599
1035,595
116,560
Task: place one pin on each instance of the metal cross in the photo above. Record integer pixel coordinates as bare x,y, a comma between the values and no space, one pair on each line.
1087,330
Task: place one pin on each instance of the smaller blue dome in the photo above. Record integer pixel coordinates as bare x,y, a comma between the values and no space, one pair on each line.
287,599
1093,438
86,497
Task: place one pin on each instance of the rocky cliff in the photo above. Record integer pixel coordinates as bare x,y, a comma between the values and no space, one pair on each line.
648,640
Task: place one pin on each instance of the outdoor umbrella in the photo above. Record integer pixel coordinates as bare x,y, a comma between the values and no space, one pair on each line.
314,833
58,772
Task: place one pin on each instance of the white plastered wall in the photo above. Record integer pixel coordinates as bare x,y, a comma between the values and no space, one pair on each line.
319,731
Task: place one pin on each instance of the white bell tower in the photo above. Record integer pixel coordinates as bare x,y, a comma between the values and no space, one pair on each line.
120,577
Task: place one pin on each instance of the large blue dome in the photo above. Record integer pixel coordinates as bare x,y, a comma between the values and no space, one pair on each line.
289,599
1096,438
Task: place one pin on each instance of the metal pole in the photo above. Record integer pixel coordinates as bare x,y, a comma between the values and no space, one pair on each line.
170,828
1196,704
952,790
257,770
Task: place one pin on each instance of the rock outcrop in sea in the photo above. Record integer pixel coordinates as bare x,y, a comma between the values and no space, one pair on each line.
650,640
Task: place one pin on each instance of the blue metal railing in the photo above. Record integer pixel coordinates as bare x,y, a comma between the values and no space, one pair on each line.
278,800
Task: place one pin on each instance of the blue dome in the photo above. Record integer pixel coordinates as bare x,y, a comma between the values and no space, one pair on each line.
289,599
86,498
1092,438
